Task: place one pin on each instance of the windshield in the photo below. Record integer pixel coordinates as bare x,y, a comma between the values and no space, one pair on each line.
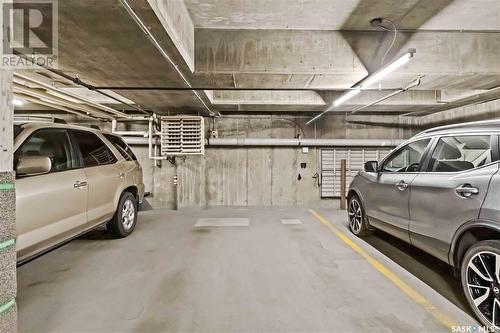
17,129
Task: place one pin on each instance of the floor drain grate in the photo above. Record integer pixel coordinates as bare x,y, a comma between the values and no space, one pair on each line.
222,222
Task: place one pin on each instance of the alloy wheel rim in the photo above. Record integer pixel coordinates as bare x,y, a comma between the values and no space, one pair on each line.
355,216
483,284
128,214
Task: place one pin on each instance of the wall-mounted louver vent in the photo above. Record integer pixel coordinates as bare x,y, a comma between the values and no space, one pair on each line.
356,158
182,136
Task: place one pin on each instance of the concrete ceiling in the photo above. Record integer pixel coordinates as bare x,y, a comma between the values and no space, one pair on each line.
343,14
327,45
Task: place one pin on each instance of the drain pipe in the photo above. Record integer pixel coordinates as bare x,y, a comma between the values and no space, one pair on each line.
164,54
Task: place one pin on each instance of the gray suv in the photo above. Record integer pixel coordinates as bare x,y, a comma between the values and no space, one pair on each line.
440,191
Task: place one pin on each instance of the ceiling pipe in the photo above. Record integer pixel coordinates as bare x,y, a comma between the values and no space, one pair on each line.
137,141
164,53
48,87
42,95
79,82
264,142
412,84
487,96
220,89
235,142
54,106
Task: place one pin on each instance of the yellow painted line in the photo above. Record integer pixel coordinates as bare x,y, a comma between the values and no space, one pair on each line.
407,289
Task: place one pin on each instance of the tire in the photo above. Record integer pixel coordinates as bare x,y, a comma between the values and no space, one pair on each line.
357,218
480,279
125,219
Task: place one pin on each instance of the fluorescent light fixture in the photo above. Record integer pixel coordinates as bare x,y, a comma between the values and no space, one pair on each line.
384,71
17,102
347,96
370,80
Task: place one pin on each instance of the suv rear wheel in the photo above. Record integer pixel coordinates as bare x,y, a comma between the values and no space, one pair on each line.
123,222
357,218
481,281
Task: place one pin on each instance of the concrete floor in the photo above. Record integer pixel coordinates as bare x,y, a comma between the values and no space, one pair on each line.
170,276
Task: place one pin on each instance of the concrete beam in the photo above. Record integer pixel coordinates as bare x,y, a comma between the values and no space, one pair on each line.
266,97
467,113
411,97
175,18
316,81
276,52
448,54
458,60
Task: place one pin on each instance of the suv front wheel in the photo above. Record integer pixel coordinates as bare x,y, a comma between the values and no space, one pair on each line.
357,218
480,274
125,219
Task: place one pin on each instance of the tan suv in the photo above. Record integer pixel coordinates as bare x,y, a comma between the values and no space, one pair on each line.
70,180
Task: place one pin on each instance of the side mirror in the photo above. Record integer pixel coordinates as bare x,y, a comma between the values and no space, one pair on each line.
371,166
33,166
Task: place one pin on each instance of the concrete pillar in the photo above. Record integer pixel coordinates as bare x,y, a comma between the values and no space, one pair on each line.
8,282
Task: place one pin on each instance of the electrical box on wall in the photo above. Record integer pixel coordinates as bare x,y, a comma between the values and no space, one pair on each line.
182,135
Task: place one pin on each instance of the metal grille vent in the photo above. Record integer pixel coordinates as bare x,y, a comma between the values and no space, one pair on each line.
330,167
182,136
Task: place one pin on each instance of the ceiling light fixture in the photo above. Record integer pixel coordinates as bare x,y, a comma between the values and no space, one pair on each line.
369,81
17,102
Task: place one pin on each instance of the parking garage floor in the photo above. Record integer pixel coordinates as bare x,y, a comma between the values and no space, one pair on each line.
268,276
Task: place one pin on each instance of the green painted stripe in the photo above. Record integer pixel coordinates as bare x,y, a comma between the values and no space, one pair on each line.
6,306
7,186
7,243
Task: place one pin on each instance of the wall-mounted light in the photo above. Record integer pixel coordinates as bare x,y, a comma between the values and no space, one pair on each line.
369,81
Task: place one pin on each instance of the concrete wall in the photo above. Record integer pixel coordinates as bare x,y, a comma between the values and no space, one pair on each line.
248,176
234,176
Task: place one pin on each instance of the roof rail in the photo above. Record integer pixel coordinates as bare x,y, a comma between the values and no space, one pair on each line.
469,124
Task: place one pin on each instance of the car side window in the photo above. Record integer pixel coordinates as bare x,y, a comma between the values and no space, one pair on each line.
52,143
460,153
406,159
122,147
93,150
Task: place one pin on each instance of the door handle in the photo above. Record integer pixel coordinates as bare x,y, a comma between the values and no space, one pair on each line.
79,184
466,190
401,185
121,175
